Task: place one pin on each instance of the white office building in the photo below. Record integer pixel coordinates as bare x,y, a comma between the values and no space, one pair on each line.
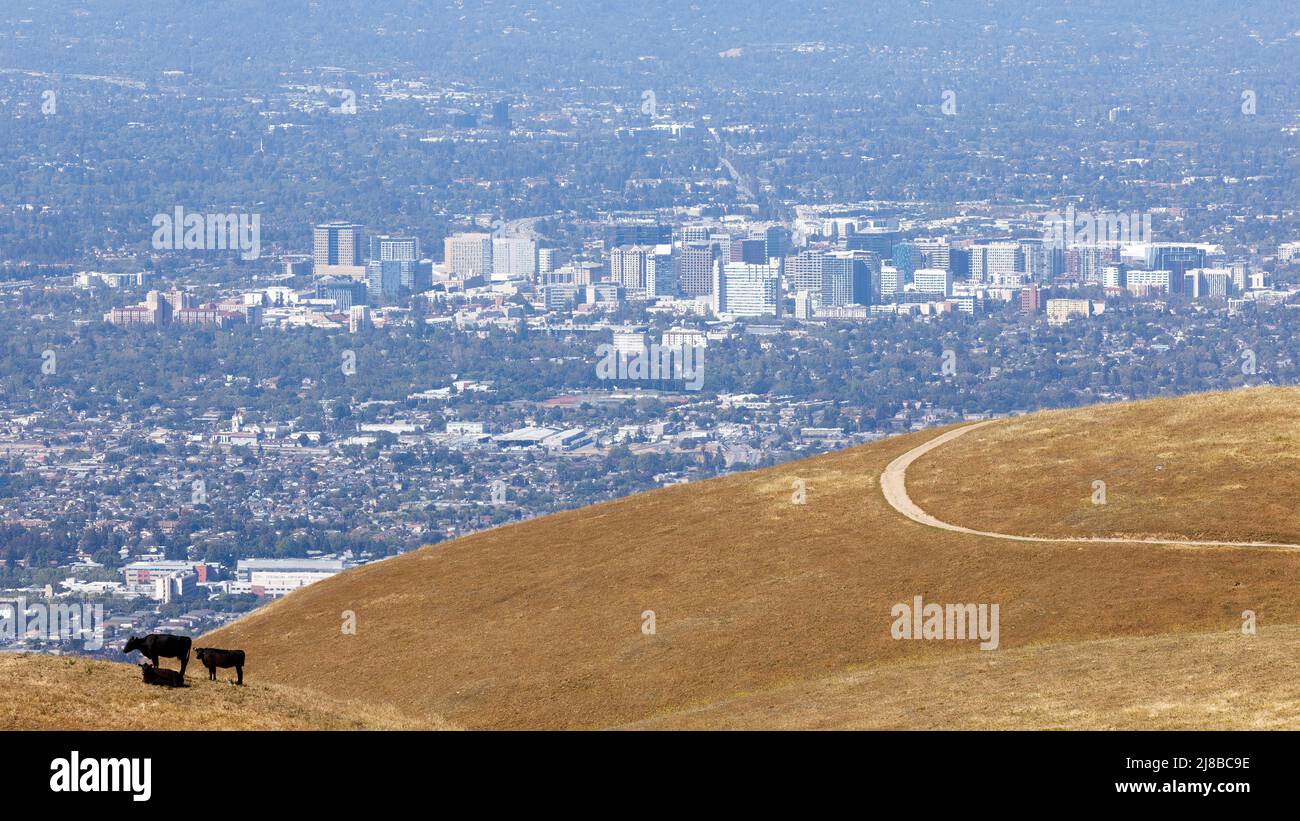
468,255
513,258
746,289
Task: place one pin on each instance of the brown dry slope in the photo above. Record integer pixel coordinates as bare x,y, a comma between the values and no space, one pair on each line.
540,624
39,692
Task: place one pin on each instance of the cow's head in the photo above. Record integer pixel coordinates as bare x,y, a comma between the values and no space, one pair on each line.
198,653
133,643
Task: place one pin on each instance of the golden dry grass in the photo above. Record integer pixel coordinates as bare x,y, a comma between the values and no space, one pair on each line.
1170,682
39,692
539,624
1219,466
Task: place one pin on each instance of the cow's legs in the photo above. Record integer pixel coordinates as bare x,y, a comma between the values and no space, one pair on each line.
185,660
239,670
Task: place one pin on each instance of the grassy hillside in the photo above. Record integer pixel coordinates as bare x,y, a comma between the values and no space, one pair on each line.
540,624
1215,466
1177,681
39,692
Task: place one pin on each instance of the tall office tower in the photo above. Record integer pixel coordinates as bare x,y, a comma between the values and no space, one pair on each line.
696,234
1240,275
1213,282
384,276
930,253
933,281
777,240
501,114
1177,260
804,272
846,279
546,261
661,272
891,284
513,258
468,255
695,266
627,267
875,239
1031,299
722,246
753,251
386,248
744,289
907,258
1085,262
1035,257
804,307
989,259
160,308
336,244
959,261
358,318
641,232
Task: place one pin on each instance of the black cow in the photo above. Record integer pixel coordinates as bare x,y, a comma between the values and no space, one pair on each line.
212,658
155,645
161,676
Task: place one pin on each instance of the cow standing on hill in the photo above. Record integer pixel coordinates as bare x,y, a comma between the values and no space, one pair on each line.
157,645
212,658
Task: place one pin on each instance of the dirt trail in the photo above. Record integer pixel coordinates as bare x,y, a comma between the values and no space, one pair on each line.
893,482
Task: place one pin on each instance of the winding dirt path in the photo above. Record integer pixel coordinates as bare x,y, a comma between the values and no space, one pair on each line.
893,482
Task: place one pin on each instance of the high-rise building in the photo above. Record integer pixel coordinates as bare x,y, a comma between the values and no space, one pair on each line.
546,260
891,284
804,272
468,255
1143,282
627,267
513,258
358,318
753,251
878,240
1177,260
695,269
930,253
933,281
987,260
907,258
641,232
846,279
1113,275
697,233
384,247
1031,299
501,114
777,240
661,272
336,244
744,289
384,276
